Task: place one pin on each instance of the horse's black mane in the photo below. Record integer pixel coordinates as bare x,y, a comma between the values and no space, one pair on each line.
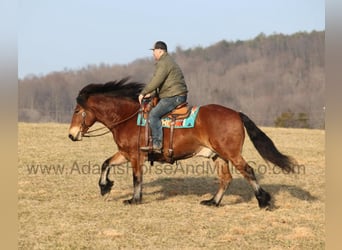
120,88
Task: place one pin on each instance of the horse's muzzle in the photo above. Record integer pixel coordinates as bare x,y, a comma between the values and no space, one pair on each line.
77,137
75,133
72,137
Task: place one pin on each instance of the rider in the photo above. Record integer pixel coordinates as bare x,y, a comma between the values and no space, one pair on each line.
168,81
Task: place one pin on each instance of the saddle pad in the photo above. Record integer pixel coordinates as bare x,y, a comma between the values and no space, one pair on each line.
188,122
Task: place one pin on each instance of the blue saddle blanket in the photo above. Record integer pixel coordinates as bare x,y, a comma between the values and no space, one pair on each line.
188,122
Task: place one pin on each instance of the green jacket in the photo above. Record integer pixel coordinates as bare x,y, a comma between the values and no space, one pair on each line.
167,77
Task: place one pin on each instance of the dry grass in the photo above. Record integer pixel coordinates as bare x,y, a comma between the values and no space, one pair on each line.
64,210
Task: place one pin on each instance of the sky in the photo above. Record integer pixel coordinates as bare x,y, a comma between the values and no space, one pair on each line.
71,34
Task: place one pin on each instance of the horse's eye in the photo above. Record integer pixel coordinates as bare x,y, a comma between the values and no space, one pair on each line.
76,111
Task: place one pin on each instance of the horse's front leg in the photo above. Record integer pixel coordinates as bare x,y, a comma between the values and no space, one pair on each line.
105,183
137,183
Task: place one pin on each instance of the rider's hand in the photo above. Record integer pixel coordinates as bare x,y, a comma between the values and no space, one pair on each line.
144,96
140,98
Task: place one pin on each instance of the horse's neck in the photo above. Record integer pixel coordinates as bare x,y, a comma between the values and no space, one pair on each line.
121,120
116,112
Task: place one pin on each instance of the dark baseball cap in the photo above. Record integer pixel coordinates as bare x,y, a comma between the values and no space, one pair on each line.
160,45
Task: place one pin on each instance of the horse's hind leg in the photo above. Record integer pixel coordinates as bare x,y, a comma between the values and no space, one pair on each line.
247,171
225,178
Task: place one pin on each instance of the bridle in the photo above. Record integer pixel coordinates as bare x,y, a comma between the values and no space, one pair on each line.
84,126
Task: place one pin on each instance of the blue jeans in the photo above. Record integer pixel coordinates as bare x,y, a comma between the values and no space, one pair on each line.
164,106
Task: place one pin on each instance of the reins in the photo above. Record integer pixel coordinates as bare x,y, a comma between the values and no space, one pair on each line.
88,133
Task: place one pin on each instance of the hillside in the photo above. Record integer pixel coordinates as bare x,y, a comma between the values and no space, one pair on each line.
263,77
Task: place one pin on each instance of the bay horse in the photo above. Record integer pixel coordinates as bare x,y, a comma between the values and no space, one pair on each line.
218,134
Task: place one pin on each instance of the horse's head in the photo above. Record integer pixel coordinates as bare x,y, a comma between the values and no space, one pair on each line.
92,98
81,121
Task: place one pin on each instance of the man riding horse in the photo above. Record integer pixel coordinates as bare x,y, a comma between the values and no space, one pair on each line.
169,84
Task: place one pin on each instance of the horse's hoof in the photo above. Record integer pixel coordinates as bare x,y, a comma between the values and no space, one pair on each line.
105,189
210,202
263,198
265,206
132,202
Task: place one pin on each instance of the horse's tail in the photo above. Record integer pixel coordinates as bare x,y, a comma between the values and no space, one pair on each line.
265,146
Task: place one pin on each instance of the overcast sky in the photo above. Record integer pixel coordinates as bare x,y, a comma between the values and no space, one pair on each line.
71,34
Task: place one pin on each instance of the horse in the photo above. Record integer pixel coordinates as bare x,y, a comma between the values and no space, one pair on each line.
218,133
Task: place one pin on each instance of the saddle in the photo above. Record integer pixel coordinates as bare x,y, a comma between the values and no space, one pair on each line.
182,111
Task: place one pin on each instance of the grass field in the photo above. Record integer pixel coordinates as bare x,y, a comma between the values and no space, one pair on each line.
60,207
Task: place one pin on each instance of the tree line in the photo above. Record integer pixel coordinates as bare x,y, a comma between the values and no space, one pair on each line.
265,77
